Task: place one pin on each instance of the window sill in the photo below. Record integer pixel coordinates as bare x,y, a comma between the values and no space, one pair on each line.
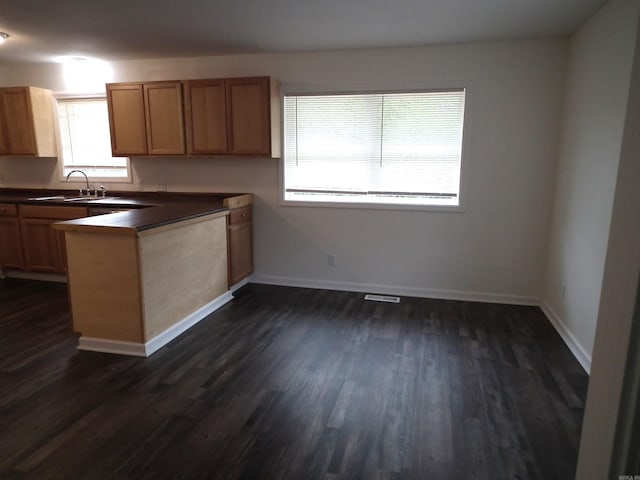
373,206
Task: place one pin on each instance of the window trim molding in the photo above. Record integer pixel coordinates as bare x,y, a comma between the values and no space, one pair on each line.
464,160
84,96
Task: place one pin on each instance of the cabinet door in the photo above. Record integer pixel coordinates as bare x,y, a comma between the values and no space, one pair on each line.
44,248
205,117
10,244
240,251
4,148
126,119
18,121
164,117
248,116
61,245
40,245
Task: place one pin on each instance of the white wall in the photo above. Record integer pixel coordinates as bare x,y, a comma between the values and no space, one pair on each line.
598,81
494,250
619,287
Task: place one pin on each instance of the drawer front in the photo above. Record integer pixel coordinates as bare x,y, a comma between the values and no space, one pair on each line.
8,210
239,201
55,213
240,215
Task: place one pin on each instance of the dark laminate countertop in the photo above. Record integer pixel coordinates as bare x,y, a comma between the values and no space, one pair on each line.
148,209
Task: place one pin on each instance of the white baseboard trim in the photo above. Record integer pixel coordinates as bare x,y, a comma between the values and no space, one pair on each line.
576,348
47,277
240,284
146,349
395,290
153,345
111,346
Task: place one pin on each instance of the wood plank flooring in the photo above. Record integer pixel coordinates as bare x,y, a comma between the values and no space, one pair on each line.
287,383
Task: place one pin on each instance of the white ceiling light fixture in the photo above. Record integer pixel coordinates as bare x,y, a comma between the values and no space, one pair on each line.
3,37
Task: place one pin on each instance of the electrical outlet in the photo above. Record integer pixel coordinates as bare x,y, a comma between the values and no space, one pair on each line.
563,290
331,260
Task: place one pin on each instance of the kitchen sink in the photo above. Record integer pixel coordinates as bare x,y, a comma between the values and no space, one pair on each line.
102,199
62,198
78,199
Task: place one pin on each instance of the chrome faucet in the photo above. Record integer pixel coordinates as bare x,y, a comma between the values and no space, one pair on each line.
85,176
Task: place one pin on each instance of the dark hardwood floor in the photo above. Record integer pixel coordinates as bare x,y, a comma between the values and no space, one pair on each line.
287,383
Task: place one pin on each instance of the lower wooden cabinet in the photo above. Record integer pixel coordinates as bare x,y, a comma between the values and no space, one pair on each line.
44,248
240,244
40,245
10,239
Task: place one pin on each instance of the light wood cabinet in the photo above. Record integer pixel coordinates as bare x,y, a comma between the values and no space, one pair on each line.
146,118
149,281
127,119
240,244
205,116
43,247
4,148
164,118
248,116
27,122
10,240
40,243
233,117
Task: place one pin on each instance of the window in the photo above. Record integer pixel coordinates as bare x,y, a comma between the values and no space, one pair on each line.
86,145
387,148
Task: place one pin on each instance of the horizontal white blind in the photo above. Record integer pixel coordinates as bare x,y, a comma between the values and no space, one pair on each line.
86,145
380,148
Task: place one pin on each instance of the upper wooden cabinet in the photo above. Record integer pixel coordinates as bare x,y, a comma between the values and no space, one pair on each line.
127,119
164,118
27,122
248,116
146,118
4,149
234,117
205,116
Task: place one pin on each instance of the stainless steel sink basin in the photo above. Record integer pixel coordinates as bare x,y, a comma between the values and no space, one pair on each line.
62,198
109,200
59,197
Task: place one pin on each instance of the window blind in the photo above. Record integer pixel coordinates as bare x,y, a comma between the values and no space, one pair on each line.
388,147
84,134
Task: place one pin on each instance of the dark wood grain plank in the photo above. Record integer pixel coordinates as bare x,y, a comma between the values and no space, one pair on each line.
286,383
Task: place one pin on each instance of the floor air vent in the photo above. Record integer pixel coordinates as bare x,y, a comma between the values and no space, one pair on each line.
382,298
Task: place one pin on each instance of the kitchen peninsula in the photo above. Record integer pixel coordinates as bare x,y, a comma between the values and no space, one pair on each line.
139,278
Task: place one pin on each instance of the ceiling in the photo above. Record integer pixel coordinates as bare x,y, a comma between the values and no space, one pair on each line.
42,30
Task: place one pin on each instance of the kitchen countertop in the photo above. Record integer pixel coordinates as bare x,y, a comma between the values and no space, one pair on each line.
148,209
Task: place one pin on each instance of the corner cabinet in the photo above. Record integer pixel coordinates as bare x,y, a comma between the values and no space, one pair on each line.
146,118
27,122
230,117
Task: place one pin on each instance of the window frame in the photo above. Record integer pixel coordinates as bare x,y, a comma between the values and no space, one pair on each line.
61,166
464,160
